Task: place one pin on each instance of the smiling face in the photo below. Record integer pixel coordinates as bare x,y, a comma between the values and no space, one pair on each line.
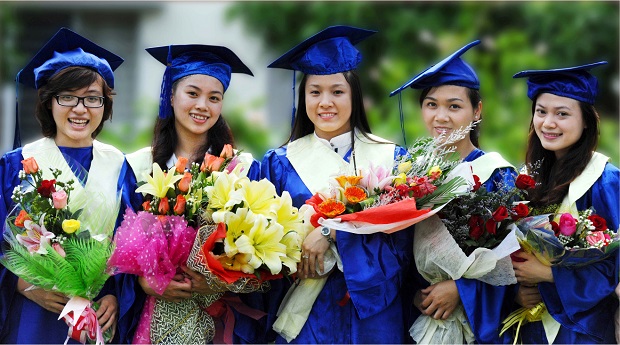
75,125
328,104
197,103
558,122
447,108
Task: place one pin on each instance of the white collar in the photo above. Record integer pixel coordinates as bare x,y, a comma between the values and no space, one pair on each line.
340,143
172,161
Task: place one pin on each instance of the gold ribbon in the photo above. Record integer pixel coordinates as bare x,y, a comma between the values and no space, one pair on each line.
523,315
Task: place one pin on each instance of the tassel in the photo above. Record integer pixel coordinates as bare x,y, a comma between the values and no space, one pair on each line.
402,117
17,140
294,110
166,89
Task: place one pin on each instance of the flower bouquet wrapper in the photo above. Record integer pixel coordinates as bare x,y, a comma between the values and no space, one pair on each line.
438,258
155,247
298,301
85,327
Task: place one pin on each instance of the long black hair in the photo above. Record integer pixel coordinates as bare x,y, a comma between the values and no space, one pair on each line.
553,176
302,125
165,138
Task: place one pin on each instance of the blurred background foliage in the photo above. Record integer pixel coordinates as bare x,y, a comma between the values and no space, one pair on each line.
414,35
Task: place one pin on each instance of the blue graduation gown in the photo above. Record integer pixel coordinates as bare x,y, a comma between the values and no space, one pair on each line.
582,300
21,320
485,305
373,266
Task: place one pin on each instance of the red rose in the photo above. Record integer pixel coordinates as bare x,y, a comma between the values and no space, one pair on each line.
179,206
555,227
516,258
500,214
520,210
164,207
475,227
491,226
599,222
525,182
477,183
47,188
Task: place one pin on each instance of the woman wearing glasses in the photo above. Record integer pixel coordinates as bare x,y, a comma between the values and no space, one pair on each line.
74,78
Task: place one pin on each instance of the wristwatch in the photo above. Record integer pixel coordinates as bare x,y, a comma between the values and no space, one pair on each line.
325,231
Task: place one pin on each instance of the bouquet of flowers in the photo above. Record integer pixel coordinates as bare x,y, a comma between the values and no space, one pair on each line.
56,241
253,235
391,199
155,243
563,240
472,237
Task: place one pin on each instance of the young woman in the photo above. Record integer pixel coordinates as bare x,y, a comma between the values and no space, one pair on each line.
563,138
190,124
450,100
359,301
74,78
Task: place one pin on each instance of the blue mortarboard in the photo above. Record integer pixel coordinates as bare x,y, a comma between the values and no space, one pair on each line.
65,49
449,71
572,82
327,52
183,60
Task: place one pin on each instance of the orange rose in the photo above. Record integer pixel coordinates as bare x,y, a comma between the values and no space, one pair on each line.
146,205
211,163
164,207
30,165
185,182
181,164
21,218
179,206
227,152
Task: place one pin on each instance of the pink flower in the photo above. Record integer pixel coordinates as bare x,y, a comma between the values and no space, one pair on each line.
377,177
568,224
596,238
34,236
58,248
232,164
59,199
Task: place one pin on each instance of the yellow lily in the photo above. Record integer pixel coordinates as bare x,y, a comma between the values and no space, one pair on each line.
292,241
158,184
268,247
220,195
258,196
286,214
238,225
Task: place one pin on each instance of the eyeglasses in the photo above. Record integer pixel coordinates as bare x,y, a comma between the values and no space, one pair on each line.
73,101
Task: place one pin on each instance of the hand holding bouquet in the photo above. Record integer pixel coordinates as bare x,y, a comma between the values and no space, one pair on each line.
562,240
56,242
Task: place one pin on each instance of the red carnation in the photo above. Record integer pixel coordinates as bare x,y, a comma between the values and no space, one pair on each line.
47,188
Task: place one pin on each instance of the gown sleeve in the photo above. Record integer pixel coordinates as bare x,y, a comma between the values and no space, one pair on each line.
486,306
583,299
10,165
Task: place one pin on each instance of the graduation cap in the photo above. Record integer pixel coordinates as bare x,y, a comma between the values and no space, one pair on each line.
327,52
183,60
65,49
572,82
449,71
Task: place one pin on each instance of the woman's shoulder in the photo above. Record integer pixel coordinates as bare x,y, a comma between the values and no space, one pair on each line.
12,158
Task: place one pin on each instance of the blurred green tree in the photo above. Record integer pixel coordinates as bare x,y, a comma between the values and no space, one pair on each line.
413,35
